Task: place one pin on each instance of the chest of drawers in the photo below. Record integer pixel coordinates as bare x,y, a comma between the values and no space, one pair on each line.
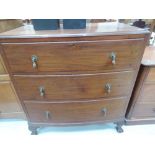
141,109
69,77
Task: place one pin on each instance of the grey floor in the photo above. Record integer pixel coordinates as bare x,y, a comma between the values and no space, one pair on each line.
15,139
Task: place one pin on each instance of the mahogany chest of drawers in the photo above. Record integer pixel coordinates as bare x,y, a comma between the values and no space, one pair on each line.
69,77
141,109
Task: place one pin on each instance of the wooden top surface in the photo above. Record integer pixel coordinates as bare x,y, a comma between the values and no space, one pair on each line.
149,56
92,29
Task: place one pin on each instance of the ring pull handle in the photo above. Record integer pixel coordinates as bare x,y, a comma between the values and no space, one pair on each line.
34,59
113,58
47,115
108,87
104,111
42,91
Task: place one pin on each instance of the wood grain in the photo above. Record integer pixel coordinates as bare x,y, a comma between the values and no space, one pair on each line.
73,56
142,110
76,112
143,72
13,115
151,75
149,56
8,24
74,86
8,101
147,93
4,77
142,103
92,29
74,66
2,67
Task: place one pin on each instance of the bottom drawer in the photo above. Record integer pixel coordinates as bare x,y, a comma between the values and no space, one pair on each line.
142,110
77,111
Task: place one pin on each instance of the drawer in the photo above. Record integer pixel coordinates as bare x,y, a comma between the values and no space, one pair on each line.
66,87
8,100
151,75
66,57
147,93
144,110
77,111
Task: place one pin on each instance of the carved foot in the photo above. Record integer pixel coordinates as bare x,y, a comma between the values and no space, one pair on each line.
33,130
119,129
119,126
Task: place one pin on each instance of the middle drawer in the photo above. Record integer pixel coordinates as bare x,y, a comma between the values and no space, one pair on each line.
68,87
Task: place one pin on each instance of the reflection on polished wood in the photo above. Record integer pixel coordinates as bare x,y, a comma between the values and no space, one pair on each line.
78,76
149,56
92,29
142,104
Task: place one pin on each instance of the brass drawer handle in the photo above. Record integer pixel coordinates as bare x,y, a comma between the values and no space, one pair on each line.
42,91
34,59
113,58
108,87
104,111
47,115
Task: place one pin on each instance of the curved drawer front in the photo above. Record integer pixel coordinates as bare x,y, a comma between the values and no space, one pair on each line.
79,57
66,87
76,112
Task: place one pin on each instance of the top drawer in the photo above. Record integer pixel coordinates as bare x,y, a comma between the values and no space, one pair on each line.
79,56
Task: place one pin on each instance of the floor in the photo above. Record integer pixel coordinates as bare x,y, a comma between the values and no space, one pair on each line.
91,139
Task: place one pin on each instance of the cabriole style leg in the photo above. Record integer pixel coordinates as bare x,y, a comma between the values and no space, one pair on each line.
119,127
33,130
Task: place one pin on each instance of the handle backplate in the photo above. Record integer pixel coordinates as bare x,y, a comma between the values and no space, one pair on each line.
104,111
42,91
108,87
113,58
34,59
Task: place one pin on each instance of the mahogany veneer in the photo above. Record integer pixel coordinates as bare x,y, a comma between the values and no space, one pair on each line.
9,102
141,109
69,77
